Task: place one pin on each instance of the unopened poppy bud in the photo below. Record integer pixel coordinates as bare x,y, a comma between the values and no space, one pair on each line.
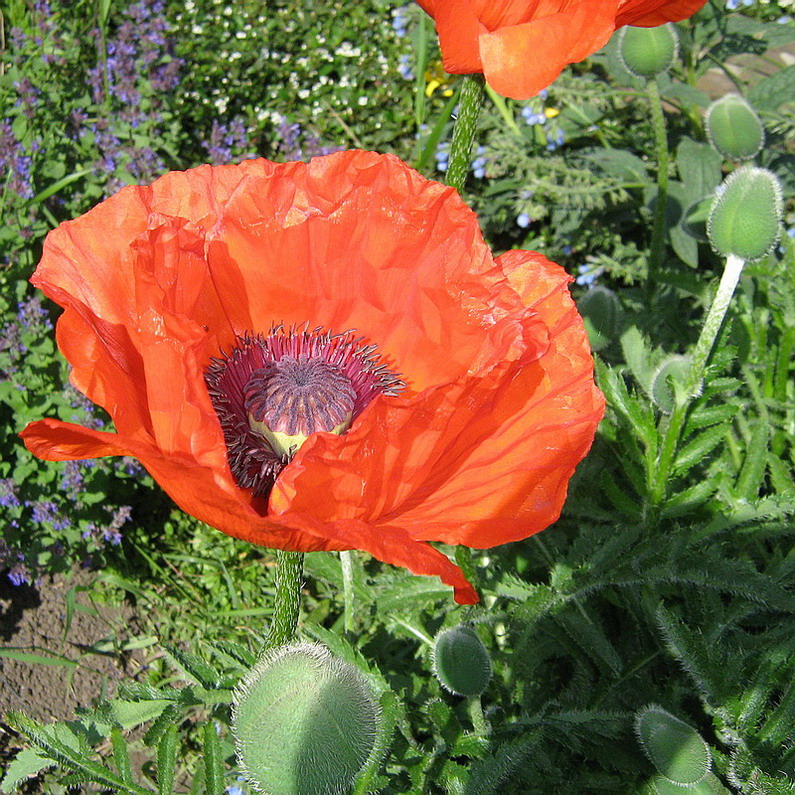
674,748
672,371
694,221
304,722
461,662
745,219
648,52
601,311
733,128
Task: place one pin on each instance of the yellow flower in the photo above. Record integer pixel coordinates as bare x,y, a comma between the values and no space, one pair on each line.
437,79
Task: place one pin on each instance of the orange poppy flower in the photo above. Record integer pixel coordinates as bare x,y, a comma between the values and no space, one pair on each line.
189,307
521,46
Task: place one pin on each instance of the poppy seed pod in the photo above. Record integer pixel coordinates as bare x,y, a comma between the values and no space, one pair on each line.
648,52
745,218
674,748
461,662
601,311
304,722
672,371
733,128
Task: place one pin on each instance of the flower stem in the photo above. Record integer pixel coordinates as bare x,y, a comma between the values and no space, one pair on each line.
347,588
479,722
695,375
289,568
464,130
661,152
713,323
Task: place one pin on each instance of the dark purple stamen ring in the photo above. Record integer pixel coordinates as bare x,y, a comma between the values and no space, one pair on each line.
290,383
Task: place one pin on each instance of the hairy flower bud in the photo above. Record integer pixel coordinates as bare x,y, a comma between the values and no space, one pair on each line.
461,662
304,722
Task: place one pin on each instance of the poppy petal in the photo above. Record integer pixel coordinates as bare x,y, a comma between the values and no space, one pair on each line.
521,60
500,404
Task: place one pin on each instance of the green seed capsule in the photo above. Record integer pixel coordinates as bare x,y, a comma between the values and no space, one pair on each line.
745,219
673,370
733,128
673,747
648,52
601,311
304,722
461,662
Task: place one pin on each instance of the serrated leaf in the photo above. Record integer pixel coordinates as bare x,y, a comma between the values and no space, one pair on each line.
66,749
213,761
689,499
192,666
133,713
167,760
771,92
698,448
121,756
27,763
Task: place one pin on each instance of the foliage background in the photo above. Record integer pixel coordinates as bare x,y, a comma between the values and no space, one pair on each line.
664,582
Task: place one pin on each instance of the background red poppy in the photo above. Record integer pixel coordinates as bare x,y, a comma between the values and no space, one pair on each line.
500,403
521,46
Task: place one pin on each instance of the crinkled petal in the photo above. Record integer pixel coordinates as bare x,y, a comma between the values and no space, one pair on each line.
480,461
650,13
521,60
208,494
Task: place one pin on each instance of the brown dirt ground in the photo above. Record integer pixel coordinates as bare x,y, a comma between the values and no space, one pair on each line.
33,620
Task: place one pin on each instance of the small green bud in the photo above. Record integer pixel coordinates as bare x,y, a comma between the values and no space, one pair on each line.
304,721
461,662
694,219
601,311
745,219
672,370
673,747
711,785
648,52
733,128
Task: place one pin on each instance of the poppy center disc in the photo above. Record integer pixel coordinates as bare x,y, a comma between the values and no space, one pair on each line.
271,392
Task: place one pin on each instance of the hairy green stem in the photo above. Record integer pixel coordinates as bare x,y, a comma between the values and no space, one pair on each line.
479,722
661,153
713,323
347,588
464,130
289,570
695,375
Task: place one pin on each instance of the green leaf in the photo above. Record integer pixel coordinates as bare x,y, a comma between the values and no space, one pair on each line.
619,163
699,167
121,756
28,762
689,499
213,760
193,666
773,91
133,713
432,142
167,760
66,748
59,185
39,659
698,448
637,356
